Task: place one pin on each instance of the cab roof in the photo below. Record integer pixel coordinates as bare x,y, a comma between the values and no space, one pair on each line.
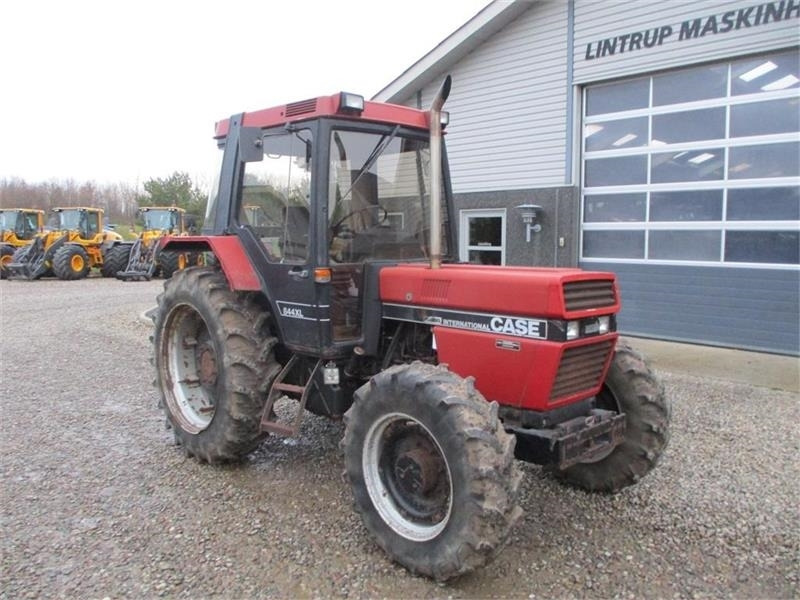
87,208
329,106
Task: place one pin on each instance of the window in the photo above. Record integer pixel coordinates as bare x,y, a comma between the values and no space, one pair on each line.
483,237
275,196
379,197
698,165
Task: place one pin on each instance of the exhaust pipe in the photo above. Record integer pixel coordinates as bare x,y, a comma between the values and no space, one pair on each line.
436,172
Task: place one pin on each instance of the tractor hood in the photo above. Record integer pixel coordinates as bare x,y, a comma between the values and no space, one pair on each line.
523,291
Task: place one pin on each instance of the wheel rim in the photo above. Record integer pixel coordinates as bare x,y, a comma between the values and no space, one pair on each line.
77,263
4,260
407,477
189,369
182,261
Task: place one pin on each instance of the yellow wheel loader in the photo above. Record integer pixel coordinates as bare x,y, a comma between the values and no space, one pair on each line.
73,242
144,258
18,226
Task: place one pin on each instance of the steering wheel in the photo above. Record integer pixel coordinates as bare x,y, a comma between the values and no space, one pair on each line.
339,228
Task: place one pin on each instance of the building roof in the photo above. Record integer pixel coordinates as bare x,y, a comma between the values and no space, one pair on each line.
456,46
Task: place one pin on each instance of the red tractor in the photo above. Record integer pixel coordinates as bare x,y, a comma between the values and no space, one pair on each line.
333,282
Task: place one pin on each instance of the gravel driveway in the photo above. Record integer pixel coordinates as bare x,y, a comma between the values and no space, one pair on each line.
96,502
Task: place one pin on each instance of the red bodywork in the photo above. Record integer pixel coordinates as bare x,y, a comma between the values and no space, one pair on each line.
522,377
229,252
328,106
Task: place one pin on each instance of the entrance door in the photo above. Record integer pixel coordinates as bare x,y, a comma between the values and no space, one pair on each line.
482,236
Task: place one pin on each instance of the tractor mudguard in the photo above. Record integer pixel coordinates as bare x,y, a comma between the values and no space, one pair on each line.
228,251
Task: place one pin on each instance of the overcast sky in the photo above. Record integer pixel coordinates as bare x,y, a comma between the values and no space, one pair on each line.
125,91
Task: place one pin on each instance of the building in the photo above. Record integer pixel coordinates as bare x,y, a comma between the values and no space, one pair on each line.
661,140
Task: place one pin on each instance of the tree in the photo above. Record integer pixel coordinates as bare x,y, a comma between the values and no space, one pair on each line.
176,190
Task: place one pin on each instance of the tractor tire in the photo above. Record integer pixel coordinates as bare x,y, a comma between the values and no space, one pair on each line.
214,364
632,388
71,262
6,254
170,262
116,260
431,469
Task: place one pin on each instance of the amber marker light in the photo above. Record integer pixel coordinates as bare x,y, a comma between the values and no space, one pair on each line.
322,275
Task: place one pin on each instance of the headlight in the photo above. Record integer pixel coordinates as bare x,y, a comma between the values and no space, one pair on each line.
573,330
603,325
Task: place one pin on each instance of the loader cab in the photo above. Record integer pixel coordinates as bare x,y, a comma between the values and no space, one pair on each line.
162,219
24,224
322,205
86,222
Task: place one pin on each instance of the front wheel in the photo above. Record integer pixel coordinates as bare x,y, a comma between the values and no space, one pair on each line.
116,260
170,262
631,388
71,262
6,254
432,470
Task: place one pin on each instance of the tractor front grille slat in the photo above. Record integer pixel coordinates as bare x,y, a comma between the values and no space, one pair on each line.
580,295
581,369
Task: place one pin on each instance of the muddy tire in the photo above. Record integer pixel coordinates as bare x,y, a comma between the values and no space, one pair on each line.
116,260
71,262
631,387
214,364
6,253
432,470
170,262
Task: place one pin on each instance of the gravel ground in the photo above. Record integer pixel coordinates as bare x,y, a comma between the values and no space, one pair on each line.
96,502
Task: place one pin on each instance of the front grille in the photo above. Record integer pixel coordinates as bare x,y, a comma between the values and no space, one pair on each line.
580,295
302,107
581,369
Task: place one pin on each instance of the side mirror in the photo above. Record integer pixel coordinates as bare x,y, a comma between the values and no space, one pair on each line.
251,144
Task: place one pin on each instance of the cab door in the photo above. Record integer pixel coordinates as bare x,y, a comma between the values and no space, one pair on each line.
274,221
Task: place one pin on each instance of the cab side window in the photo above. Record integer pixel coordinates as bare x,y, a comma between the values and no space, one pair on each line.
276,194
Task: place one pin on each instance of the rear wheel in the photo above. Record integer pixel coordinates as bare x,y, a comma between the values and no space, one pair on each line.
71,262
632,388
214,364
6,253
431,469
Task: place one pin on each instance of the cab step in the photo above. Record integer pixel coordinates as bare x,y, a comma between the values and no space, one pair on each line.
279,389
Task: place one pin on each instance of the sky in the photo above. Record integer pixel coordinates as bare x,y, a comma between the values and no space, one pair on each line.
129,90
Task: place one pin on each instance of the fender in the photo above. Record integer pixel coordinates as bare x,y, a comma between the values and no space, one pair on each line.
229,252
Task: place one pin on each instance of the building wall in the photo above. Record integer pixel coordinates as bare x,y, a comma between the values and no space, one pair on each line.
553,246
516,136
755,309
681,32
508,106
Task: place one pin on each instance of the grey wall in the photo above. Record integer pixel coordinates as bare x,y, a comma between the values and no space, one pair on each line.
559,219
745,308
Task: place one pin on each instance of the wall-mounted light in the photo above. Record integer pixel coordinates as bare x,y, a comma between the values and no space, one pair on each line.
529,213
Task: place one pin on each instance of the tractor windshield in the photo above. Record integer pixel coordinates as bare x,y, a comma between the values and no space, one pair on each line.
378,196
160,219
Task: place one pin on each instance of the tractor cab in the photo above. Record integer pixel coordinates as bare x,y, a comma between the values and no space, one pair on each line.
327,200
